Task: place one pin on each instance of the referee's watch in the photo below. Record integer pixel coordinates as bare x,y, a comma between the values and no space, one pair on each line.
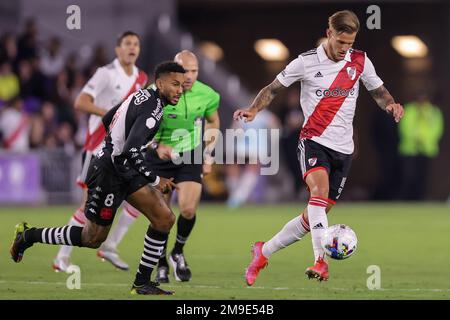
154,145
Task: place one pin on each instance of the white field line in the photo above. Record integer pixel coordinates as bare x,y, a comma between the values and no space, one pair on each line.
99,284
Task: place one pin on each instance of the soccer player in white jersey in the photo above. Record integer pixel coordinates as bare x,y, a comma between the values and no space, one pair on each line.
329,77
109,86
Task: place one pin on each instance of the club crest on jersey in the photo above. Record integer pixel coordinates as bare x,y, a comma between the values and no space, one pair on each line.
312,161
351,71
150,123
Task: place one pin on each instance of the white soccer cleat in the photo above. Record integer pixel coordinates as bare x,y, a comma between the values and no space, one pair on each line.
61,264
111,255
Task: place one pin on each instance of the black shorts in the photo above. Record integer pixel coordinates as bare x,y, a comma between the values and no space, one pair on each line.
314,156
179,172
107,190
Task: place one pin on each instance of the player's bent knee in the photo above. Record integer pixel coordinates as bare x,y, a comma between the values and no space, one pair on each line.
188,213
165,222
319,191
92,240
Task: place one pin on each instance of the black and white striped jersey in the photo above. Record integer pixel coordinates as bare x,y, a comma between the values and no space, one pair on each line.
131,125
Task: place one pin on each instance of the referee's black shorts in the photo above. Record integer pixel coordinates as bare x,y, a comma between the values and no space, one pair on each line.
191,171
314,156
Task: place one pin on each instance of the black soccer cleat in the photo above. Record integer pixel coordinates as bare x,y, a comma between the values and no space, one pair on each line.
181,269
162,274
150,288
19,245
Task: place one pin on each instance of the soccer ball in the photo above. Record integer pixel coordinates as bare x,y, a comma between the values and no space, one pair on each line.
339,241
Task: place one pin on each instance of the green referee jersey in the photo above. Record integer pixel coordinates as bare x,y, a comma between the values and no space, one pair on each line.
181,127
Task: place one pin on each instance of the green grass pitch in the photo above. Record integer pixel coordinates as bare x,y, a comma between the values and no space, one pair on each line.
410,244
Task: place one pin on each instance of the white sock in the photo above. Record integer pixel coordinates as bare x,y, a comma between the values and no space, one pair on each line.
318,223
126,219
293,231
65,251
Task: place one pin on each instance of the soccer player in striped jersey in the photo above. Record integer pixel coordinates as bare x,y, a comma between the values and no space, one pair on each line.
110,85
119,172
329,77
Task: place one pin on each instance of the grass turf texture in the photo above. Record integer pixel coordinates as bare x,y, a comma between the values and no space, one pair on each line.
408,242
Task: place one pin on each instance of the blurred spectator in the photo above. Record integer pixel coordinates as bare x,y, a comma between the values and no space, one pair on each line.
65,138
27,44
99,59
71,69
31,80
44,127
52,60
8,48
14,127
420,131
292,124
9,83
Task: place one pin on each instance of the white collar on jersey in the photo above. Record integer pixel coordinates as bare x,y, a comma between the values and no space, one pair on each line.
119,67
322,55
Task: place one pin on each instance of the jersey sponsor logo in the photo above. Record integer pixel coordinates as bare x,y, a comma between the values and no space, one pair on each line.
351,71
312,161
150,123
336,92
318,75
172,116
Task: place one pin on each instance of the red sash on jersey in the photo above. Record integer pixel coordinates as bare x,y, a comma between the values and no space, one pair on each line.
16,133
94,139
327,107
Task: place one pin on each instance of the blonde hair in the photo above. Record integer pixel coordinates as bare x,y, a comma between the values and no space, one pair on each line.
344,21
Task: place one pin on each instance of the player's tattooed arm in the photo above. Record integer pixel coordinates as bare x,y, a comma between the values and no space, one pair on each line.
266,95
262,100
382,97
386,102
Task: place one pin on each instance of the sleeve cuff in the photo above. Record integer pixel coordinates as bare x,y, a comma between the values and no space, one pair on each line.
156,182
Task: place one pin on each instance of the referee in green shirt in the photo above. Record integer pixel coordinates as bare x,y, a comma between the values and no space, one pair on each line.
198,103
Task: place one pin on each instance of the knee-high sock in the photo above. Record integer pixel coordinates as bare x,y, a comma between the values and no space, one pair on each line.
153,247
65,251
318,223
66,235
126,219
292,231
184,228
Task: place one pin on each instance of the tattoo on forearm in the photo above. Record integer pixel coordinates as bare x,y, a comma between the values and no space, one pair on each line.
266,95
382,97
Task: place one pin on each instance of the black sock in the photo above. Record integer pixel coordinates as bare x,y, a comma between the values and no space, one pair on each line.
184,228
153,247
67,235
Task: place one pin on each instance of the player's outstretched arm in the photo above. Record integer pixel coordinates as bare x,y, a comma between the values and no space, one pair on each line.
85,102
262,100
386,102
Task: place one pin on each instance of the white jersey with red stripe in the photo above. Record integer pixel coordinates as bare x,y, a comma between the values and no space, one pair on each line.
109,86
329,91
